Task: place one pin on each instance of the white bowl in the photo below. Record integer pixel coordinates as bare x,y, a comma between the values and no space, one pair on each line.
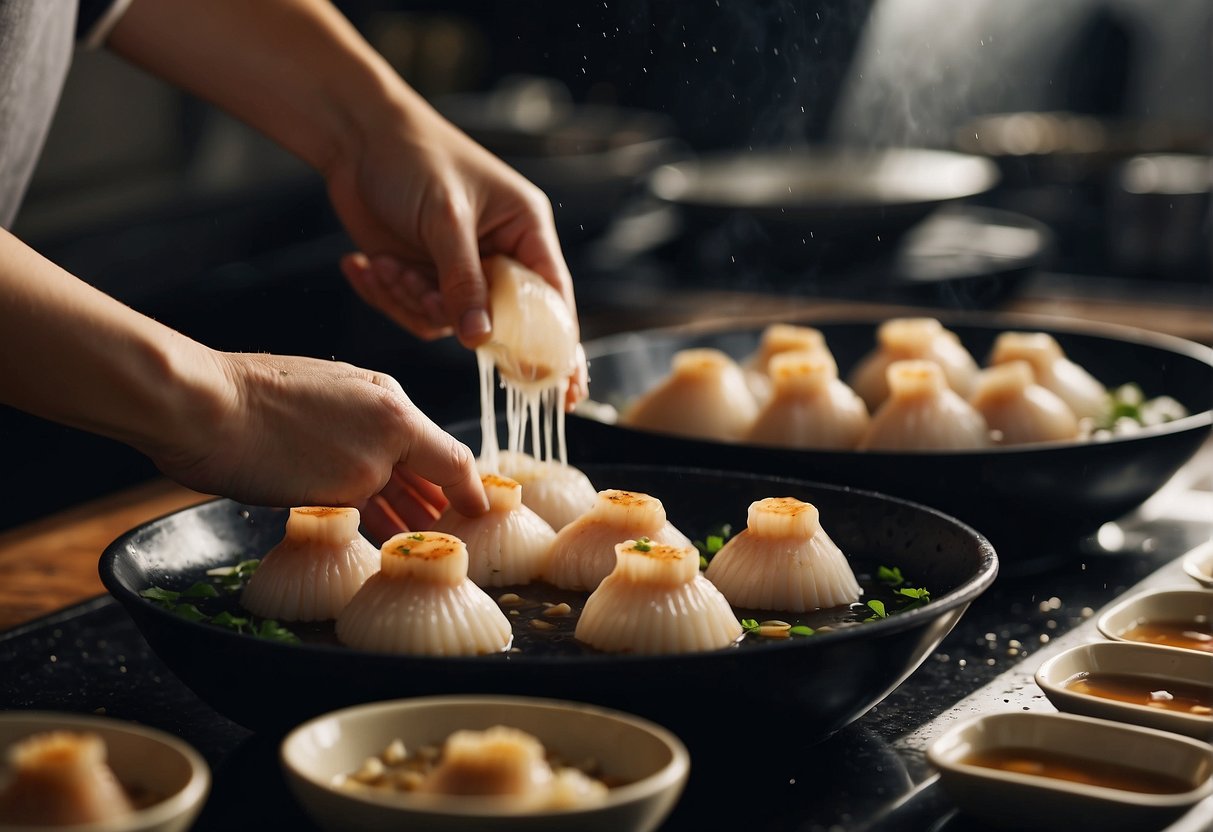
1162,665
1023,801
1199,565
1188,605
140,757
652,761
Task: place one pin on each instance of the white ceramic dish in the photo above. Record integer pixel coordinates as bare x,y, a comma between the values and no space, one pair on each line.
1186,605
1199,565
1161,665
1024,801
652,760
140,757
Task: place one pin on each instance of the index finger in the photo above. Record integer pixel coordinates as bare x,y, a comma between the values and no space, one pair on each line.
445,461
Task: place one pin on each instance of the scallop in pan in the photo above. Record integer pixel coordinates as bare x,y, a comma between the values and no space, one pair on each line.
506,545
777,339
810,407
656,602
1053,370
1018,409
923,413
556,491
904,339
421,602
783,560
705,396
315,570
584,550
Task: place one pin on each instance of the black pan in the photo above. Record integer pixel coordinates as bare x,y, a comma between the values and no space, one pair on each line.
805,688
1033,502
814,195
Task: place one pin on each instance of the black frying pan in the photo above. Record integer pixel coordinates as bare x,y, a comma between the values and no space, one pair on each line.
1032,502
802,689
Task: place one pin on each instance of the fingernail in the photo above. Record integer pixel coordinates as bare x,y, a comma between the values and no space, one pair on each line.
474,325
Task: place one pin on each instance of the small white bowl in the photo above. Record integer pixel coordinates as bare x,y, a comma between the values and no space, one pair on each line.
1189,605
1162,665
140,757
1023,801
652,761
1199,565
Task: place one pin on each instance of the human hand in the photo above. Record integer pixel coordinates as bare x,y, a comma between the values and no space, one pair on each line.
425,203
292,431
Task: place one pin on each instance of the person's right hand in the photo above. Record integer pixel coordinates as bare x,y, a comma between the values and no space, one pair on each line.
294,431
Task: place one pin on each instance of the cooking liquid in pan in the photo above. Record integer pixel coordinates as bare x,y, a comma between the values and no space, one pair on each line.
542,626
1193,635
1039,763
1181,697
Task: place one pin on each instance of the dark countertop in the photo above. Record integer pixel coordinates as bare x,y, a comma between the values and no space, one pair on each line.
90,658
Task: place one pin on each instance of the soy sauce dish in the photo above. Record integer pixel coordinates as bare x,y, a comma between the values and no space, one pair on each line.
1145,684
1048,771
797,689
1181,618
648,764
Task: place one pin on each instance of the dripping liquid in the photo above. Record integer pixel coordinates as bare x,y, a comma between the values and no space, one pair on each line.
531,413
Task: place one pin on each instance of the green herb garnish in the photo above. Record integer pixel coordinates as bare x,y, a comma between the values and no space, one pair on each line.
188,611
801,630
155,593
273,631
417,536
749,625
643,545
878,610
712,544
201,590
231,622
890,576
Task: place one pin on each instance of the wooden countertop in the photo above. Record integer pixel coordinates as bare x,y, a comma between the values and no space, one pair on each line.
52,563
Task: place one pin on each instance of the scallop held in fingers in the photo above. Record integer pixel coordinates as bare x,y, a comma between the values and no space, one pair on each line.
1018,410
783,560
810,407
705,396
506,545
315,570
1053,370
583,552
655,601
922,413
904,339
422,603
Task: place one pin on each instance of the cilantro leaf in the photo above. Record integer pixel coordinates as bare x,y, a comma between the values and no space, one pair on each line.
231,622
273,631
188,611
155,593
878,610
200,590
749,625
890,575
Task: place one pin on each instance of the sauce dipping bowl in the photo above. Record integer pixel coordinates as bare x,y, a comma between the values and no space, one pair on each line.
653,762
1010,799
140,757
1186,606
1161,666
1199,565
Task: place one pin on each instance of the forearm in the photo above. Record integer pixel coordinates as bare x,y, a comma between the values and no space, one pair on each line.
74,355
294,69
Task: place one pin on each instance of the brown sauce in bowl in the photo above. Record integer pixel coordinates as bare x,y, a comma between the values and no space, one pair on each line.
1048,764
1167,695
1192,635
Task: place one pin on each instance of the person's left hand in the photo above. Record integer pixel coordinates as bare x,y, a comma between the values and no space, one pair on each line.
424,203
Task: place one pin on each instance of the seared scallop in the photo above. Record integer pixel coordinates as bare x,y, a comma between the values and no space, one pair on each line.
1052,370
705,396
655,602
315,570
506,545
922,413
421,602
810,406
1019,410
783,560
584,550
902,339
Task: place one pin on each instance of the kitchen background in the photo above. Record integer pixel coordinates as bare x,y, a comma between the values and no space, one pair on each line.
185,214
